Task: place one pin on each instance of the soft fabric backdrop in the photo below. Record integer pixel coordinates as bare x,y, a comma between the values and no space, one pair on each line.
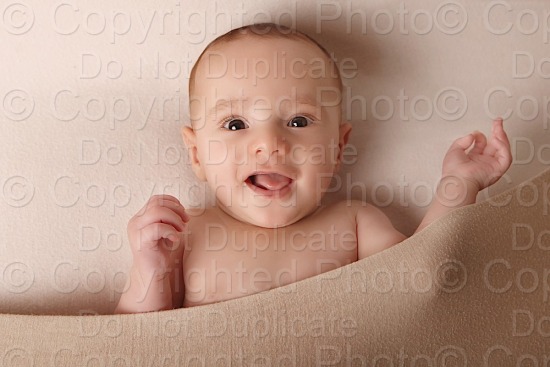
94,95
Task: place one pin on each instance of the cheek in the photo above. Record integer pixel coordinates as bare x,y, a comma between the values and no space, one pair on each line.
218,151
217,157
213,152
324,183
321,153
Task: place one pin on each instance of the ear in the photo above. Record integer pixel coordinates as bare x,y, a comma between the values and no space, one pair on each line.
345,129
190,140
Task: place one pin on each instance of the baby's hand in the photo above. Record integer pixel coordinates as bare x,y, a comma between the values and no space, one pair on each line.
485,163
155,233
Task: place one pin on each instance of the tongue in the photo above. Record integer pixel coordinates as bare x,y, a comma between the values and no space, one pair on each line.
271,181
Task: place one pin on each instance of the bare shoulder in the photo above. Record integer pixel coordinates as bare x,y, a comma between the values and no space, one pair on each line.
361,212
343,211
375,231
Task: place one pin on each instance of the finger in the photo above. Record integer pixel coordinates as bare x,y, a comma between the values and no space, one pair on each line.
162,200
462,143
499,133
158,200
499,140
480,142
159,214
176,207
502,153
151,234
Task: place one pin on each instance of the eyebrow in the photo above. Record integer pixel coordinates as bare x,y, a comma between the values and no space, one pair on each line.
226,103
306,100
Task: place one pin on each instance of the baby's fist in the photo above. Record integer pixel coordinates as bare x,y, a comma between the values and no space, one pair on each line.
155,231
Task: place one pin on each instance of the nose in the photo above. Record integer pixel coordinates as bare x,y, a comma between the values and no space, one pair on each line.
269,144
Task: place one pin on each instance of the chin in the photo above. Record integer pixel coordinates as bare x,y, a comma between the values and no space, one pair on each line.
270,221
267,218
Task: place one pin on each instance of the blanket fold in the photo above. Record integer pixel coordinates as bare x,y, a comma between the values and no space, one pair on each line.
473,288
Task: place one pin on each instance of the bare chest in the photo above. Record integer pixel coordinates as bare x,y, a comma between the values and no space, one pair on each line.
226,263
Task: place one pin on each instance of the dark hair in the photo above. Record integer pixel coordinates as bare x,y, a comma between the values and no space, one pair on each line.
270,30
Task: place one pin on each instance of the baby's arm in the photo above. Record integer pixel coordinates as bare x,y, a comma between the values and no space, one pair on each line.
465,174
157,249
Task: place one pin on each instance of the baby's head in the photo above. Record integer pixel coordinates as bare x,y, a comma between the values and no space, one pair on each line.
267,133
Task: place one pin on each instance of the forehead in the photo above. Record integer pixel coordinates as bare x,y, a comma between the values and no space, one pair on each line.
259,62
261,46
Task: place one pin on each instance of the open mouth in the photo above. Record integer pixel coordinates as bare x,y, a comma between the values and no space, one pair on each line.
269,184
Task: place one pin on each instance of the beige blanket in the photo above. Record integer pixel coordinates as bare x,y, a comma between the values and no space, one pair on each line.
472,289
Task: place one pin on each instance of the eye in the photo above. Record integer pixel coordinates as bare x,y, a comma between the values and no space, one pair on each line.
235,124
299,121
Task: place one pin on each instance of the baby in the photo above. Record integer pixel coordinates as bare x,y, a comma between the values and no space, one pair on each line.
267,136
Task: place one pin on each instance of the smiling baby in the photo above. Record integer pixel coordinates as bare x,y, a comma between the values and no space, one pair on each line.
267,136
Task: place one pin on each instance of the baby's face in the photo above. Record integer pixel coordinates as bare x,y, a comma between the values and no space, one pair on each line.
267,131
